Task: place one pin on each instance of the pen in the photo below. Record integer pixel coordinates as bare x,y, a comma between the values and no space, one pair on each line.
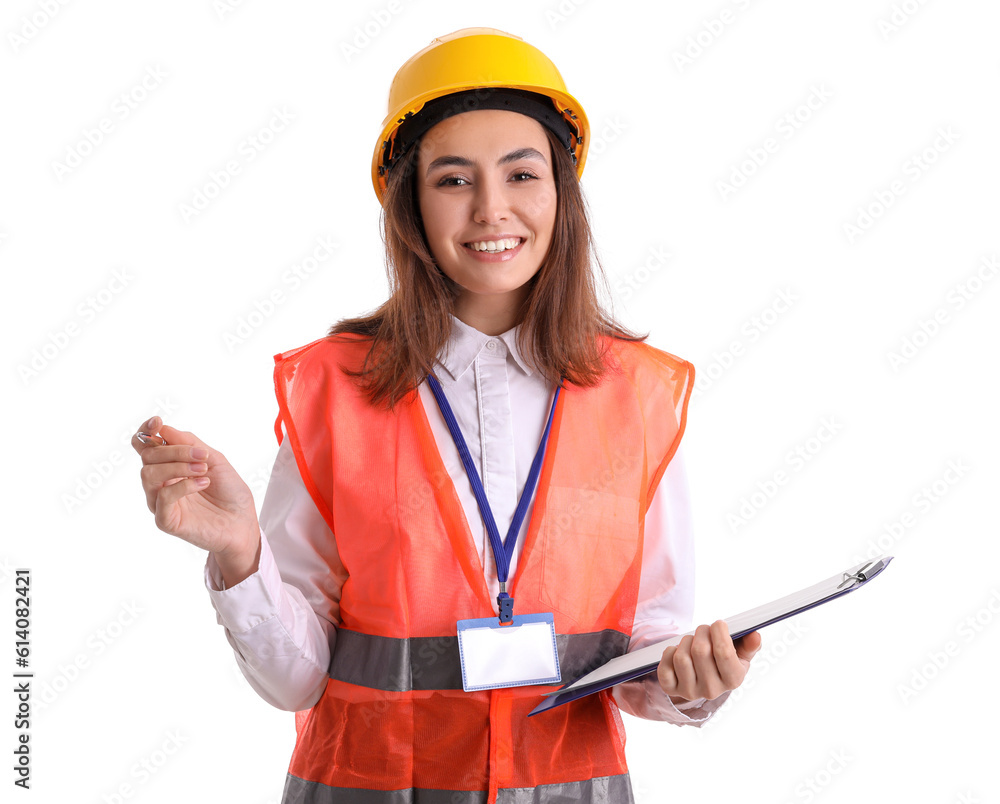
151,440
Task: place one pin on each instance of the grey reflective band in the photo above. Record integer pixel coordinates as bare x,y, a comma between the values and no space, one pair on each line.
299,791
432,663
603,790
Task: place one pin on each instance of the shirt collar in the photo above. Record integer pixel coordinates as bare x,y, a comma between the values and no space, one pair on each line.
465,343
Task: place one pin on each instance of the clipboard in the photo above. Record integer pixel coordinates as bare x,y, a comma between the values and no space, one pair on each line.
645,660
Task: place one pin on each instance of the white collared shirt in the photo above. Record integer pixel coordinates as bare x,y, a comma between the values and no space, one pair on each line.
291,618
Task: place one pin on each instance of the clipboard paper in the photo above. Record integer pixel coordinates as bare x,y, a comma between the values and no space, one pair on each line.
643,661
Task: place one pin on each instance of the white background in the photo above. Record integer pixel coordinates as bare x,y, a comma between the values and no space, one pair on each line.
848,704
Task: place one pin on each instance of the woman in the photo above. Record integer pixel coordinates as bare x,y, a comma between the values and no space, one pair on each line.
385,522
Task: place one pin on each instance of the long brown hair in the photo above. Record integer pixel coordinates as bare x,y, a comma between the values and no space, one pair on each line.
561,315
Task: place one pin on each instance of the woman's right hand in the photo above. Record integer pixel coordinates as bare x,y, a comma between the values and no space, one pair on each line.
196,495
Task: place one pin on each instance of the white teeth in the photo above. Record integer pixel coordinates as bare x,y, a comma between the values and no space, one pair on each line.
495,246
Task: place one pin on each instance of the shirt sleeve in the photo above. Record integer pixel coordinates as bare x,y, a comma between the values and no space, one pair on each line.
282,625
665,604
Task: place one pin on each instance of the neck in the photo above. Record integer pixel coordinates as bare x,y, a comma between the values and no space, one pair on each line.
491,315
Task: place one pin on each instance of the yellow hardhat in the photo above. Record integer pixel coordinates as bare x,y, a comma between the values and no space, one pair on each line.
468,64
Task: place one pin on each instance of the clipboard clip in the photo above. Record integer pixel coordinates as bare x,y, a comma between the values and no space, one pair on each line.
869,570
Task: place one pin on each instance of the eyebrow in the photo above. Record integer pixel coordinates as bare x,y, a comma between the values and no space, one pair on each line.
461,161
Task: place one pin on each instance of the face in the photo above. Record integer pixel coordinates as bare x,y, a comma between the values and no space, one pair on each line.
485,184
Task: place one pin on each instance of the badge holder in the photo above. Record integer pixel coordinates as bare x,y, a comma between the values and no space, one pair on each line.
514,654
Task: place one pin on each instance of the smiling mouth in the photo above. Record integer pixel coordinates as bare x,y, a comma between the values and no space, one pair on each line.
494,246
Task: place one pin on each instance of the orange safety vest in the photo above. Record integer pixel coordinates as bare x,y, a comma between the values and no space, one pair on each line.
393,725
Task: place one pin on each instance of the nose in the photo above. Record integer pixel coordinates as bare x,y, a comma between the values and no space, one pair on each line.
491,204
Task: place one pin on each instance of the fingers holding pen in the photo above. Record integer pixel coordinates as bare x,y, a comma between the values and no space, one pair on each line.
159,443
146,435
181,457
193,492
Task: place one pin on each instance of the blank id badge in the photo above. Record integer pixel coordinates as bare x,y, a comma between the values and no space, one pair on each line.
495,656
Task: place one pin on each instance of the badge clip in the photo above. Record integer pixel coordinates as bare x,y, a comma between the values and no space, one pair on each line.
505,605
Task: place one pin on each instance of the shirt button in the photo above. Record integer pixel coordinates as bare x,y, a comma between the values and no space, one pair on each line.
491,344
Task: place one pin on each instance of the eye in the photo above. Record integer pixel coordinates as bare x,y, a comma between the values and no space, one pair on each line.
447,181
526,173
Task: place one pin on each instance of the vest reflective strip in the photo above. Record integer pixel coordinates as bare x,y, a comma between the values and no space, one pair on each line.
603,790
299,791
433,663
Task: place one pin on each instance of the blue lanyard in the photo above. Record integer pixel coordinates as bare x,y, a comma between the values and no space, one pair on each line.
503,551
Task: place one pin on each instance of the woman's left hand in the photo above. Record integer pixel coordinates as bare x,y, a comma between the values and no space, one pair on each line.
707,664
